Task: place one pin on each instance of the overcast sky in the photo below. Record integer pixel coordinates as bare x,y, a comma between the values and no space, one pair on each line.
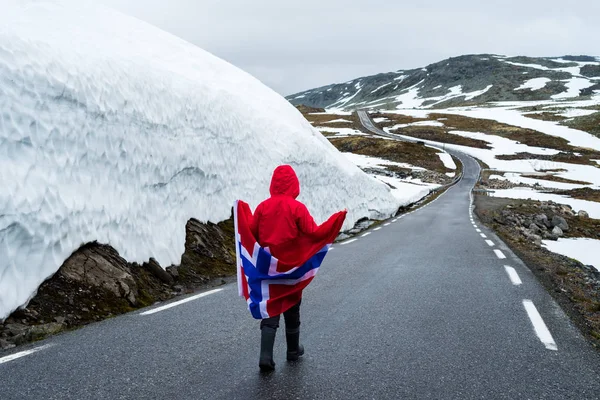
297,45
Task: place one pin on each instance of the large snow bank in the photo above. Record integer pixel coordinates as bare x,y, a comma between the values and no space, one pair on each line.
115,131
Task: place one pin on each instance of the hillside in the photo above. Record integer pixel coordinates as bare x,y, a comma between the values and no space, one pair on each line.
462,81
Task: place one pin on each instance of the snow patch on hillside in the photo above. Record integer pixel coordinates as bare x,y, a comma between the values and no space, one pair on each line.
519,179
513,117
340,132
447,160
577,172
592,207
584,250
574,85
534,84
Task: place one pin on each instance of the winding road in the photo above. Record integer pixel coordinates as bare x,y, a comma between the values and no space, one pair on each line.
430,305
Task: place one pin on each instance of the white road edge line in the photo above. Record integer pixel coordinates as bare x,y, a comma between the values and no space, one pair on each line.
512,274
490,243
348,241
378,228
499,254
180,302
541,330
387,224
365,234
23,354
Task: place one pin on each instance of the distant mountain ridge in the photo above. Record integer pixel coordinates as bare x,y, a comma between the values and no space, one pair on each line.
464,80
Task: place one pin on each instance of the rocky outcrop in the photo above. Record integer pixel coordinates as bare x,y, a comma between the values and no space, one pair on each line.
545,222
95,283
100,266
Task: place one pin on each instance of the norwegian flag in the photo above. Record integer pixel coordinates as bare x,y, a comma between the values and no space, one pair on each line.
270,285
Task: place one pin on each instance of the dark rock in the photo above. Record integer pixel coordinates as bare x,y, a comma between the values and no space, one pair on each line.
173,270
5,345
15,329
101,266
541,220
549,236
178,288
342,236
38,332
155,269
583,214
534,228
204,242
558,221
60,320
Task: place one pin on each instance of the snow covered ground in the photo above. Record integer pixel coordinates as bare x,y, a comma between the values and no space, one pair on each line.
501,145
340,132
407,191
586,250
534,84
592,207
447,160
115,131
368,161
519,179
340,120
583,250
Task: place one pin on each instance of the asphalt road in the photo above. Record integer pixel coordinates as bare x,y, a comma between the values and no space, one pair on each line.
422,308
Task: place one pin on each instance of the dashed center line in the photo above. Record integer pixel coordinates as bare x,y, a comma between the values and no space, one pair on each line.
490,243
23,354
483,235
365,234
499,254
512,274
386,224
378,228
180,302
541,330
348,241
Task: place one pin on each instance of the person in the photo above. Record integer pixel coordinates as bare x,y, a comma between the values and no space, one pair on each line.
278,222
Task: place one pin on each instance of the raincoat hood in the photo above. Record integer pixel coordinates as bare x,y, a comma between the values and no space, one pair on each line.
284,182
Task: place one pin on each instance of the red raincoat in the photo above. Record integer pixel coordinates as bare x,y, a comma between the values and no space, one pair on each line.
284,225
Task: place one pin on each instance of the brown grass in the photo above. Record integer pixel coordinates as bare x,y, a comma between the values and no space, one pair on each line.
566,157
395,119
458,122
491,127
554,178
441,135
588,123
582,194
393,150
546,116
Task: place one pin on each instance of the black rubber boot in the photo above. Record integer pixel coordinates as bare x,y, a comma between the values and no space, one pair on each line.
294,348
267,341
